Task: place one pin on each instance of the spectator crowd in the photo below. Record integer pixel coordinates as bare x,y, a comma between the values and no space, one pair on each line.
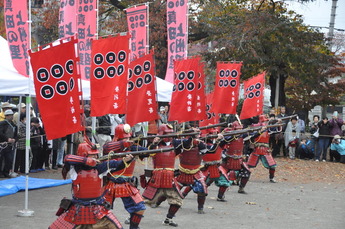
321,140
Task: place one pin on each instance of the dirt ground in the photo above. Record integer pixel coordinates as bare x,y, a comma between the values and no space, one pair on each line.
308,194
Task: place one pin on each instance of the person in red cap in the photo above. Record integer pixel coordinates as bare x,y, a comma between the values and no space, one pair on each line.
88,207
262,149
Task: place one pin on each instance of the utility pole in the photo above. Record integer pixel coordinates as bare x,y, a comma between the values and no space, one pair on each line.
332,22
330,37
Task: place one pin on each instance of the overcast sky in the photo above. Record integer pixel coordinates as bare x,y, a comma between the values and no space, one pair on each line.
318,13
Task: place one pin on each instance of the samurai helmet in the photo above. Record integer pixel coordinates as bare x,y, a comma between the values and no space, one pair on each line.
122,131
87,148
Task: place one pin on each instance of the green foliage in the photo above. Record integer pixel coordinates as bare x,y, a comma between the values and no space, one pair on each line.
268,37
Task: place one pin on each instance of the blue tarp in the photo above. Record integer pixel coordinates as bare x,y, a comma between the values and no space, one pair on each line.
11,186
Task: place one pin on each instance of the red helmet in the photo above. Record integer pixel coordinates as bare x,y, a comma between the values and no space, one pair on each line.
263,118
164,129
85,149
122,131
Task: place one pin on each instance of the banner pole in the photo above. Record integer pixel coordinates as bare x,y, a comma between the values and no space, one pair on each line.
26,211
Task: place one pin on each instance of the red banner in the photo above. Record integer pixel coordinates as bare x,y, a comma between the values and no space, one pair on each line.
226,90
17,31
253,96
200,111
57,92
138,26
185,91
142,105
86,29
211,117
109,68
177,28
67,18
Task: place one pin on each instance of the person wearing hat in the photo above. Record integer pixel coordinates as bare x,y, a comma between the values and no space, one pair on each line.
21,110
4,106
163,119
8,136
338,145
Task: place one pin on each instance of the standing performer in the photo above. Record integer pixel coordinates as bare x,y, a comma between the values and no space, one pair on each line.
163,184
190,165
88,208
212,169
233,161
122,183
262,150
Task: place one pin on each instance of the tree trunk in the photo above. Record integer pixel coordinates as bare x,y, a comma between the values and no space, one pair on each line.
282,97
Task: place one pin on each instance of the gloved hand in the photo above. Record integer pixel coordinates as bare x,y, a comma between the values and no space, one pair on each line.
91,161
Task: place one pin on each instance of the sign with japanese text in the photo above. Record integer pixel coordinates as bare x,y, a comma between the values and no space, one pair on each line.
86,29
67,18
109,71
185,91
226,90
17,31
137,27
253,96
57,89
141,102
200,111
177,29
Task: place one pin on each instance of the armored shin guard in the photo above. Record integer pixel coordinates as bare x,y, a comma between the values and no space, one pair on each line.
135,220
172,210
243,182
272,171
201,200
221,192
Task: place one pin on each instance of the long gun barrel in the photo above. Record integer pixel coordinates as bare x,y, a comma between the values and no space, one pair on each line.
174,135
237,132
113,155
287,117
212,126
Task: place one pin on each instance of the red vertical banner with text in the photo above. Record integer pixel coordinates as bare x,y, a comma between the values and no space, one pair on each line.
109,72
141,102
177,29
200,111
226,90
17,31
67,18
86,29
253,97
185,90
56,86
138,27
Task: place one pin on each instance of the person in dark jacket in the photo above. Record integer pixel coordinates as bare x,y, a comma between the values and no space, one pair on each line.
324,137
36,144
8,137
103,130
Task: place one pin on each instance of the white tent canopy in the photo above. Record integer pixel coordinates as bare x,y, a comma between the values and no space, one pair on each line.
14,84
11,82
